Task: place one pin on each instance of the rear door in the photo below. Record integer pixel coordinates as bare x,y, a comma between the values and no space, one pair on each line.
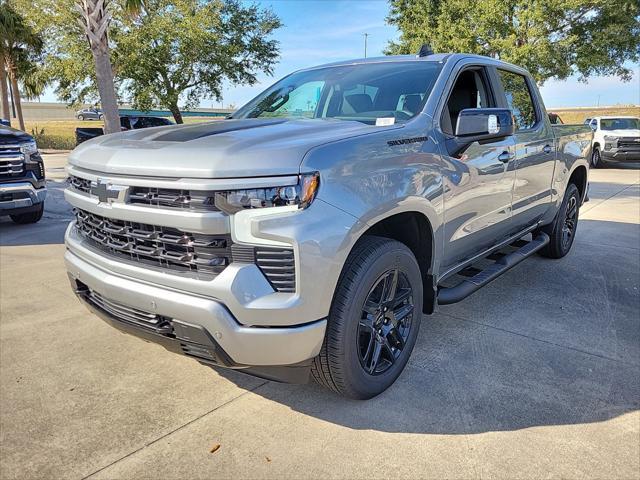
535,149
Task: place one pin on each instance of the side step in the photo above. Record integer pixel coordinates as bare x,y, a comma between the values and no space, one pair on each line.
449,295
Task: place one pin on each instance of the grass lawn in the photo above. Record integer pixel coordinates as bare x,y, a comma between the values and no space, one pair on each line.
60,134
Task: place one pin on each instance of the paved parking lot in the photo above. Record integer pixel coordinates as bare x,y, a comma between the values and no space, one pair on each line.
537,375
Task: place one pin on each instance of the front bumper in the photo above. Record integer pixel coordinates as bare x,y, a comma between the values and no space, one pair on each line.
199,327
18,197
621,155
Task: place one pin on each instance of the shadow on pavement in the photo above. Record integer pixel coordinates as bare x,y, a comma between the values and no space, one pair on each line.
552,342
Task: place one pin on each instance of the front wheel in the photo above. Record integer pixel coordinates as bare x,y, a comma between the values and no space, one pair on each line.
81,117
562,231
596,159
373,322
30,217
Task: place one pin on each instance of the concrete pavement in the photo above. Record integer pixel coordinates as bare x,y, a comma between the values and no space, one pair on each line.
536,375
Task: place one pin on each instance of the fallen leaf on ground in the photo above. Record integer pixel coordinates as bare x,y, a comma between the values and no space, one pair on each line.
215,448
267,459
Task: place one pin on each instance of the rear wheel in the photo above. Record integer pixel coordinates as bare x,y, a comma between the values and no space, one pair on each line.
80,117
373,322
562,231
30,217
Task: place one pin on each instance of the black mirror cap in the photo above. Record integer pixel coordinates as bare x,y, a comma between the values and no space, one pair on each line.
484,124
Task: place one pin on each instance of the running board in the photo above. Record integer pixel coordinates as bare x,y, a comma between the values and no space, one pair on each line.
449,295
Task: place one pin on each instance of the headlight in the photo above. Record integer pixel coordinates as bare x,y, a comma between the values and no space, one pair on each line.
29,148
300,194
609,138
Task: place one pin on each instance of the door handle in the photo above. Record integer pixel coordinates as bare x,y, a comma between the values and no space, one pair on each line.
546,149
504,157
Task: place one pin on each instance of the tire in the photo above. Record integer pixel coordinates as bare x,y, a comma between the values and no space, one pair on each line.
81,117
560,244
31,217
100,117
596,158
346,363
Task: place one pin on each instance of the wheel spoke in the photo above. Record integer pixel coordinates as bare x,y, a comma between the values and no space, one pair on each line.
371,307
402,295
367,322
397,339
372,341
375,356
390,286
401,313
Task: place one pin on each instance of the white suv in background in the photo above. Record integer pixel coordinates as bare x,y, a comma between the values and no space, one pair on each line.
615,139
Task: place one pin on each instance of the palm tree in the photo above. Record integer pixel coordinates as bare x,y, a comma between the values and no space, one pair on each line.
95,21
4,92
18,42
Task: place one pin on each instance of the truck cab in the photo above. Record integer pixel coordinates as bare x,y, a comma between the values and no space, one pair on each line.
308,234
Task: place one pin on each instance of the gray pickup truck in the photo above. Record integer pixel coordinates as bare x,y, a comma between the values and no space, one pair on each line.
310,232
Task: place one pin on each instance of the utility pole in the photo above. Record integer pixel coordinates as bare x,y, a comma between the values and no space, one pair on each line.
365,35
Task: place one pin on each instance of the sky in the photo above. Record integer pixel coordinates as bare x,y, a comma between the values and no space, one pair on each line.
322,31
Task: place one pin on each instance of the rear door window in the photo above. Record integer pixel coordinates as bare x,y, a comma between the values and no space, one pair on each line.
519,99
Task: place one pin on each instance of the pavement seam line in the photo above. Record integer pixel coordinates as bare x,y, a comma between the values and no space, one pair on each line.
591,207
174,430
604,357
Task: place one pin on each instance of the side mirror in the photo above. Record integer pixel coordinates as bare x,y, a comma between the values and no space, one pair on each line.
482,125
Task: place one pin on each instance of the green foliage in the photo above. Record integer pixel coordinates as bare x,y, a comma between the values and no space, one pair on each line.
178,52
164,53
550,38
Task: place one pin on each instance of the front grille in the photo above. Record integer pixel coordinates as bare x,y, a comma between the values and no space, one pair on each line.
629,143
124,313
163,247
192,200
80,184
11,161
195,200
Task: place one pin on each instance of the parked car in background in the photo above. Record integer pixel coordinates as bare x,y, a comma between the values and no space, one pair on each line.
310,232
127,122
615,139
22,182
555,119
89,114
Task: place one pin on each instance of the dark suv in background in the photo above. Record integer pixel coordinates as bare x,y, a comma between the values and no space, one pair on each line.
22,182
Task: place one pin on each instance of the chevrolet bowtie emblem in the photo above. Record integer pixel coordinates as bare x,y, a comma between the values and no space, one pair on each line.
107,192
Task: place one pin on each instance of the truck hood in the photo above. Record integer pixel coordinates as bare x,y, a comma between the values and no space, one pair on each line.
622,133
220,149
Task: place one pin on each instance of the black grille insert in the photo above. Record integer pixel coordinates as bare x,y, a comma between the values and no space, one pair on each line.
160,246
11,161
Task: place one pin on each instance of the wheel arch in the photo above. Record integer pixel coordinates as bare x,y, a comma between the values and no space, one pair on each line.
579,178
414,229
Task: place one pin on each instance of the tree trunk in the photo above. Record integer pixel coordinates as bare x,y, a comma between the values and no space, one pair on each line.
4,93
95,19
16,96
175,111
106,88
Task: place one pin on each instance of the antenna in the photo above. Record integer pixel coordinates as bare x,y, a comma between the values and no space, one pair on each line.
425,50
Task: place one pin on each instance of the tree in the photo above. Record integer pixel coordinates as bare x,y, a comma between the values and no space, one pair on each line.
95,19
19,45
550,38
183,50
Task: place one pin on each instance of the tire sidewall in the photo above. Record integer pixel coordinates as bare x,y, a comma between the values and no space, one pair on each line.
596,158
572,190
370,385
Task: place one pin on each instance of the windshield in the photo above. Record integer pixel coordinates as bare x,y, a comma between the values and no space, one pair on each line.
620,124
364,92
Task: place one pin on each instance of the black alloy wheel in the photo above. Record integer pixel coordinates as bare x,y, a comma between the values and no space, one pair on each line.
384,328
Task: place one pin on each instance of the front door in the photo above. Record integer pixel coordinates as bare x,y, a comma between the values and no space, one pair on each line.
479,182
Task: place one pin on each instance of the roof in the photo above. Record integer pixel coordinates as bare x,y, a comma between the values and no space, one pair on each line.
436,57
609,117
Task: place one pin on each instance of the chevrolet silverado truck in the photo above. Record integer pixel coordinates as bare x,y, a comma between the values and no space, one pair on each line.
309,233
615,139
22,183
